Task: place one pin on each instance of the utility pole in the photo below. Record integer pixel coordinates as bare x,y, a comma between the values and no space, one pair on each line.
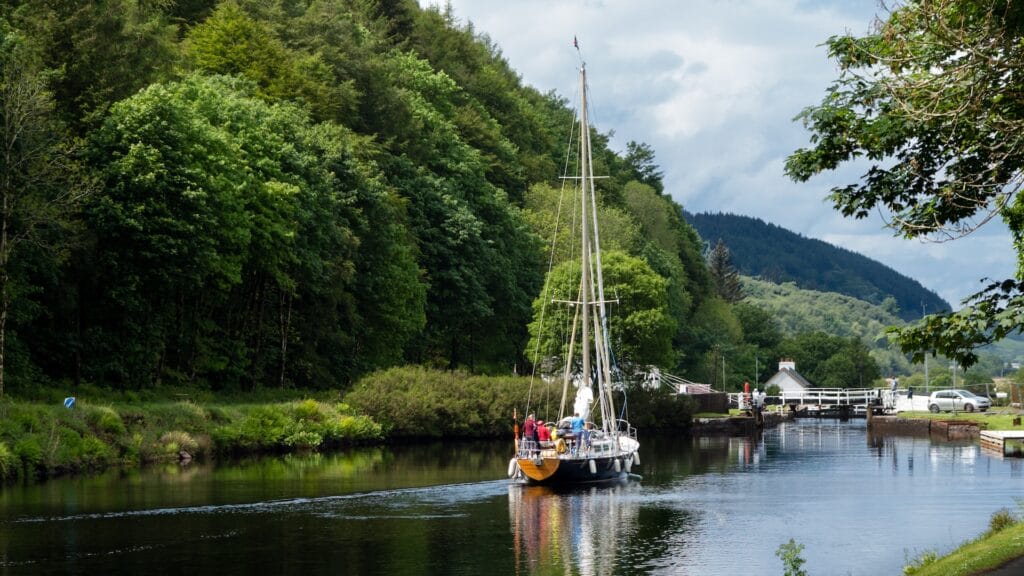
925,358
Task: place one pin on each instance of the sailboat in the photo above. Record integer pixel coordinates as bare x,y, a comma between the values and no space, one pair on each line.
606,448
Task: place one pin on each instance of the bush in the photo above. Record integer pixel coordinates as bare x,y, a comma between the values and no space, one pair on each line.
1001,520
29,451
8,462
417,402
792,562
93,453
304,439
307,424
175,441
307,410
105,420
658,409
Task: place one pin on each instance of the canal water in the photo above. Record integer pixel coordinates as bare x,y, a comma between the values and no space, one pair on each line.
706,506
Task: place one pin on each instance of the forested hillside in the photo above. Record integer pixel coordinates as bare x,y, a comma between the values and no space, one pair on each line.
798,310
247,193
774,254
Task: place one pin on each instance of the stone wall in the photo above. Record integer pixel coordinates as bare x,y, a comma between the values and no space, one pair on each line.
941,429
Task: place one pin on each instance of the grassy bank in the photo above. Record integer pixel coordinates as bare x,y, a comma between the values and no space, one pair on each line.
1003,542
46,439
992,420
40,438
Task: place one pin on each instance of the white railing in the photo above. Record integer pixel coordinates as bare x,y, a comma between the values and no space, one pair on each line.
832,396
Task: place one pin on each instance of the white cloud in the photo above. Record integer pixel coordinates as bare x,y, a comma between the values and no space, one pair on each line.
713,87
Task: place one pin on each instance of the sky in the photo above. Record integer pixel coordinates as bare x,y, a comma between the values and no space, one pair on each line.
713,86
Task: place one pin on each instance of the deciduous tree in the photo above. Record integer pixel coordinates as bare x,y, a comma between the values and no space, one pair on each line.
931,100
39,191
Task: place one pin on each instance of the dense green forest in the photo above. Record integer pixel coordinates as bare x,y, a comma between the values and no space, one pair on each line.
268,193
774,254
251,194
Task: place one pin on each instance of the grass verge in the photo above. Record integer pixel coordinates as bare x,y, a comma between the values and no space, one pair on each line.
978,556
1001,420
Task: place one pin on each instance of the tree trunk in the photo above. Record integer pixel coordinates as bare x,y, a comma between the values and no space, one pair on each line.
3,327
285,317
5,252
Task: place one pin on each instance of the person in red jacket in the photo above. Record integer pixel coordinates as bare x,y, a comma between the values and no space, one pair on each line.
530,431
543,435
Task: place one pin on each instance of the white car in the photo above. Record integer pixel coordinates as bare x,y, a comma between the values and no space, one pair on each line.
946,400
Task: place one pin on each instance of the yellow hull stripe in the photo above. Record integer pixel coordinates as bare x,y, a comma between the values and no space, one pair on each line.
547,467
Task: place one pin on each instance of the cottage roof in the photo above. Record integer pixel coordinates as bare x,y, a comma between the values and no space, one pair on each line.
791,374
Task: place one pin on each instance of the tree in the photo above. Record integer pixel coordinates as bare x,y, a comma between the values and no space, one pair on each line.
106,50
640,163
238,242
931,99
850,367
640,324
724,276
38,188
231,42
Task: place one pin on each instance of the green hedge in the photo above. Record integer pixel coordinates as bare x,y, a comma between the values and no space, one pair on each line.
418,402
413,401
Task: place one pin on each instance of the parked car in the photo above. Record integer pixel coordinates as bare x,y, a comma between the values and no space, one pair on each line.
946,400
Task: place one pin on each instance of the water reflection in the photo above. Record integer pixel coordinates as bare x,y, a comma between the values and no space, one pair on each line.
861,504
578,531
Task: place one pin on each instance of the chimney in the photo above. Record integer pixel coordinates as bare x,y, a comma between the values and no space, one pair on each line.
787,364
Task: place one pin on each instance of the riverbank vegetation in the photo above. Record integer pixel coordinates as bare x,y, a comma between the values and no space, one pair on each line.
1001,543
39,437
39,440
414,402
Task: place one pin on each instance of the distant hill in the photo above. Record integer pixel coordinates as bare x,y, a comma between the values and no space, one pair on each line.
774,254
799,311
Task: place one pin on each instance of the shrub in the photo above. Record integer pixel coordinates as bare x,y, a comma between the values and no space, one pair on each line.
264,427
175,441
105,420
1001,520
307,410
792,562
29,451
417,402
8,462
304,439
93,453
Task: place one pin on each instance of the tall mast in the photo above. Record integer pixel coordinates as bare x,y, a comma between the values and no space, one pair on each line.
585,250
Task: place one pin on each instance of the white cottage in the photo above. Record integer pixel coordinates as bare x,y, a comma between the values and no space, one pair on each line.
787,378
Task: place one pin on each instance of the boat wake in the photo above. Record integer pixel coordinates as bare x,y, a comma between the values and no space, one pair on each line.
397,503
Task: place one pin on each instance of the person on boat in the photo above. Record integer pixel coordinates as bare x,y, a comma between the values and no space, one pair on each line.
588,431
530,431
543,434
577,430
577,424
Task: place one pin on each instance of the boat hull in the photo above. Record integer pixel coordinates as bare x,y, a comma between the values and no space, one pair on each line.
560,471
